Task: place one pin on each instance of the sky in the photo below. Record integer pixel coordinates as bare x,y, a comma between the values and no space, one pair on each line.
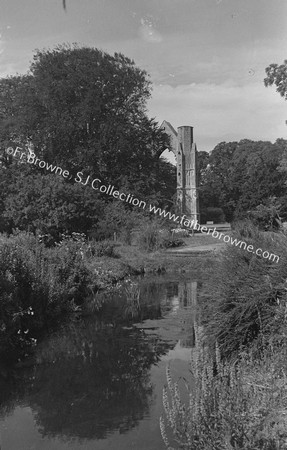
206,58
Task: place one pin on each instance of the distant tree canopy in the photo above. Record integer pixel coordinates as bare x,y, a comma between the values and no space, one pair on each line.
242,175
85,110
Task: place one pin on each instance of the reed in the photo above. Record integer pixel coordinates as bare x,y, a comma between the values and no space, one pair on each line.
227,406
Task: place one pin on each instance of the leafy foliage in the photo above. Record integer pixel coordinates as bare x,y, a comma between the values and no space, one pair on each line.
277,75
83,110
266,217
103,248
116,218
48,203
37,286
153,236
235,168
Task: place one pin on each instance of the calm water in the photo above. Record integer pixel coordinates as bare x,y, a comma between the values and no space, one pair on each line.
98,383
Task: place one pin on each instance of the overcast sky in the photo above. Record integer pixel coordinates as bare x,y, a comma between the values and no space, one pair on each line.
206,58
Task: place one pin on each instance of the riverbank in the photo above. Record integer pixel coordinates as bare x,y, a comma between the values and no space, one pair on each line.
43,287
242,309
198,253
238,388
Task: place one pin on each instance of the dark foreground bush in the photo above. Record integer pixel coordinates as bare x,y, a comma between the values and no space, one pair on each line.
37,286
248,291
153,236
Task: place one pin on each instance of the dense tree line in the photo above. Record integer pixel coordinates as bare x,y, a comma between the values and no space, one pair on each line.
239,176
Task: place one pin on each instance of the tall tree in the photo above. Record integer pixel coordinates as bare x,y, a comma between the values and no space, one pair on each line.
86,110
83,110
277,75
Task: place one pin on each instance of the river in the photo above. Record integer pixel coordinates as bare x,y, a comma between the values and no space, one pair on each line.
97,383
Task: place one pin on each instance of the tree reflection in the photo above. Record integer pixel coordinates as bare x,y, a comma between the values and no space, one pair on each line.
94,379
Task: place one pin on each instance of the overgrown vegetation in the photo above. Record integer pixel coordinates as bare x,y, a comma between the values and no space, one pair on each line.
153,236
40,286
266,217
247,291
229,406
43,281
237,395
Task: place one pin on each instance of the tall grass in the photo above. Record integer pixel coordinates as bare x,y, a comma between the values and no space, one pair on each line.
237,395
246,292
229,406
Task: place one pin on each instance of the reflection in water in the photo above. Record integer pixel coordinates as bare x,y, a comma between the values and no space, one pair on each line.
102,383
99,376
187,294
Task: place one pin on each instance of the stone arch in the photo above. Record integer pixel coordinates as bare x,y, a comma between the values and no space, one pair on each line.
184,149
170,131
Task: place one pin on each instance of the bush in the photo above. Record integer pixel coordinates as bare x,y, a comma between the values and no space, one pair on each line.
55,238
117,219
37,286
246,291
102,248
152,237
265,217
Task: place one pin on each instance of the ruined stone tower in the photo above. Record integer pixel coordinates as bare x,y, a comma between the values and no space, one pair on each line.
184,149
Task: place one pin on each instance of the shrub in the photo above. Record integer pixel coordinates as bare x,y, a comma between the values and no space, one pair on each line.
265,217
246,291
38,285
152,237
102,248
70,279
117,219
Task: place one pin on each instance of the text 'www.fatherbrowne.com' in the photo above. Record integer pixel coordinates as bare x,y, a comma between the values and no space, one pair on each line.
96,184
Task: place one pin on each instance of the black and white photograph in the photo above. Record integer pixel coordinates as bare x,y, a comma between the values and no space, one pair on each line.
143,225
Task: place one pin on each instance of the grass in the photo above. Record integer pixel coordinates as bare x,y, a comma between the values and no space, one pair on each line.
199,239
229,406
246,292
